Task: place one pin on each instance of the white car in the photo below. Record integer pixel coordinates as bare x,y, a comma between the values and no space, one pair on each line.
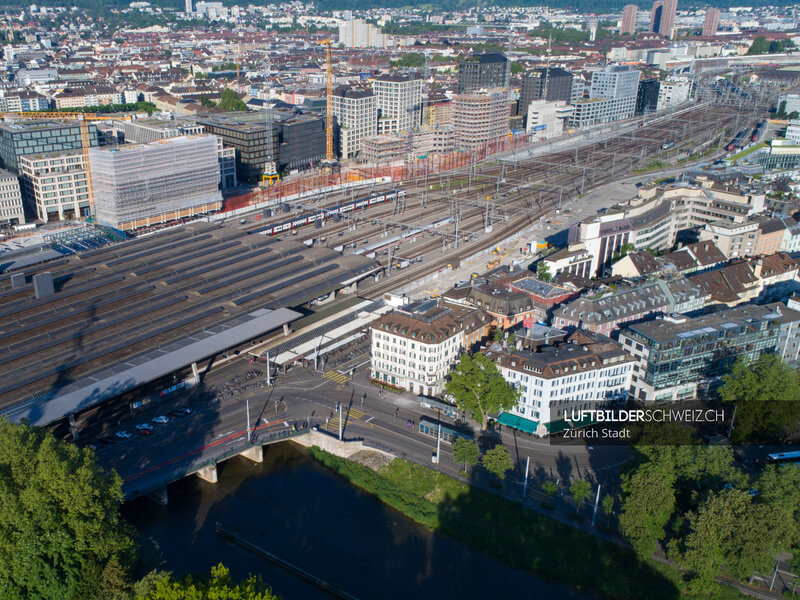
144,426
161,420
124,435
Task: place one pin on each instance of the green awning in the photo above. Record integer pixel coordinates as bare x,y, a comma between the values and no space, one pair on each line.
558,426
516,422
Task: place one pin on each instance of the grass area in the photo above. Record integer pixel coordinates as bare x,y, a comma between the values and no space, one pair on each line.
747,151
507,531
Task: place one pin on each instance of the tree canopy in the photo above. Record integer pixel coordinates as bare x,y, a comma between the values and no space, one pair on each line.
61,536
466,451
219,586
410,59
497,461
231,101
479,389
543,271
767,398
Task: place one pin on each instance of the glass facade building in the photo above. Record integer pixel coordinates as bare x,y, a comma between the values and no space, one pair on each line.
20,138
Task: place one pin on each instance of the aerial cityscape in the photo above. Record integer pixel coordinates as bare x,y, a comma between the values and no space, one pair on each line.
384,300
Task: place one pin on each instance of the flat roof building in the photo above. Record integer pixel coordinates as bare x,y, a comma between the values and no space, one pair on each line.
168,179
18,138
54,185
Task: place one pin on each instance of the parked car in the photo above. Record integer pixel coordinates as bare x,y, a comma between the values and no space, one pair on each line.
143,431
161,420
144,427
123,435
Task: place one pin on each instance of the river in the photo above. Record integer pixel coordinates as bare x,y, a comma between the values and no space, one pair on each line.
294,507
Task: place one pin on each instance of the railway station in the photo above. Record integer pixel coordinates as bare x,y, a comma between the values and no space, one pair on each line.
146,313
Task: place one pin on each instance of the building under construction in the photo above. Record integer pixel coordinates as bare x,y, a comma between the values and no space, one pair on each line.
139,185
479,118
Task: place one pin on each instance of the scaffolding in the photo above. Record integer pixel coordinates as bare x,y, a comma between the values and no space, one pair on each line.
175,176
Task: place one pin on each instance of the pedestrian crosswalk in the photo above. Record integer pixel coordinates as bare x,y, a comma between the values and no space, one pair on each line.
337,377
347,416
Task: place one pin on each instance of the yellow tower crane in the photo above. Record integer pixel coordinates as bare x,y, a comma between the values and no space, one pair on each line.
83,124
330,157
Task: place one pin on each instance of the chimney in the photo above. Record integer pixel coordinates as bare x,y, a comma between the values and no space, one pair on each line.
43,285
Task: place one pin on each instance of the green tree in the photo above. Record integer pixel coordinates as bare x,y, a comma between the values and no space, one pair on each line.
728,531
207,102
466,451
580,490
231,101
517,68
607,504
479,389
549,487
60,531
760,45
410,59
497,461
767,398
220,586
781,114
647,507
543,271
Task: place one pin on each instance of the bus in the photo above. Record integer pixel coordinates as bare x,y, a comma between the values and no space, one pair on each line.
449,433
784,457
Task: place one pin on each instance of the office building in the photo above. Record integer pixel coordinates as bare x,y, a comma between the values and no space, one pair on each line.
673,91
137,185
628,24
678,355
654,218
18,138
612,96
546,119
12,211
480,118
618,82
792,103
399,102
356,117
357,33
483,72
647,96
551,84
255,144
54,185
301,141
711,22
587,372
142,131
414,348
213,11
662,17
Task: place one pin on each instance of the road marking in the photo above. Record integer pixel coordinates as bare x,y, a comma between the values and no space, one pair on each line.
369,420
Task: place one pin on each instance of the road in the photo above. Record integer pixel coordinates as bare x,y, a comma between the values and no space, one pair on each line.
304,396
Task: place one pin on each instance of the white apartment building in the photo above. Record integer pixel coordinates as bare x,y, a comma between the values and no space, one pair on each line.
793,131
673,91
555,381
415,347
479,118
356,114
11,209
23,101
54,184
357,33
79,97
399,102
